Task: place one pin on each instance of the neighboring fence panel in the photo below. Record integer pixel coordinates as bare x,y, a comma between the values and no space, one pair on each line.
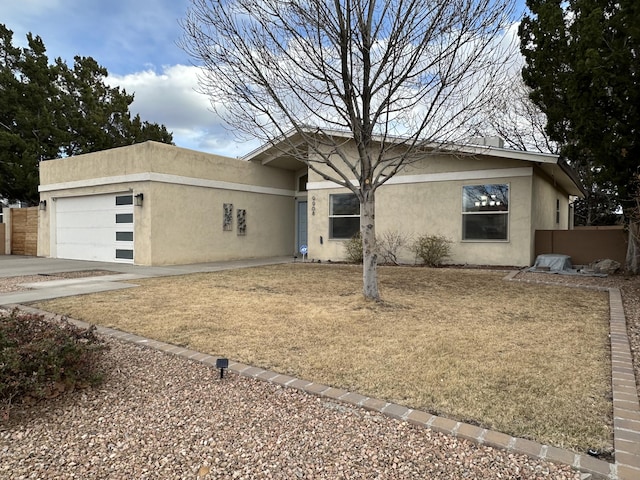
584,245
24,231
2,238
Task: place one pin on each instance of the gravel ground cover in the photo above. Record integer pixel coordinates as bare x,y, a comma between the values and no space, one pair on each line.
161,416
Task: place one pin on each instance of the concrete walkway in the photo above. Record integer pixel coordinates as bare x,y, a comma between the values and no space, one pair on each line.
124,274
626,407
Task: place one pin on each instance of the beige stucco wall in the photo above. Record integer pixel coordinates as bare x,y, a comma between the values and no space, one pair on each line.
160,158
427,199
181,217
433,208
436,163
190,230
544,208
184,192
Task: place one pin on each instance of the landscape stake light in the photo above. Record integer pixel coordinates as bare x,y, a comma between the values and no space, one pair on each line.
222,363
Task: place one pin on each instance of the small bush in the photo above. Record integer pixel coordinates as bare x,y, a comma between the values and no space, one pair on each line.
353,248
432,249
41,358
390,244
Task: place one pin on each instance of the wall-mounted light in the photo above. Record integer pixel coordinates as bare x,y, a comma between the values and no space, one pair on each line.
138,199
42,205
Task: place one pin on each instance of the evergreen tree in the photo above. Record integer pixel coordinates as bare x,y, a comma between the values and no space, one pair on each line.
28,133
50,111
582,63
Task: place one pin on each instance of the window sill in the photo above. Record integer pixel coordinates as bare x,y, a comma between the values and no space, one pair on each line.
485,241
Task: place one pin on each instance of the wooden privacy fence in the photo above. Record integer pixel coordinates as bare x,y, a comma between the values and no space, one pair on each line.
24,231
2,238
584,245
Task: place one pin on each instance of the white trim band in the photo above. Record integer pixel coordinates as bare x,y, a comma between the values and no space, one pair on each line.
166,178
440,177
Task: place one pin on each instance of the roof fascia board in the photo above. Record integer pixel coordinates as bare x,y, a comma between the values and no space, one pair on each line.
452,148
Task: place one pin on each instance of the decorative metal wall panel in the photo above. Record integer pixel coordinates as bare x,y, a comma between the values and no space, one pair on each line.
227,217
242,221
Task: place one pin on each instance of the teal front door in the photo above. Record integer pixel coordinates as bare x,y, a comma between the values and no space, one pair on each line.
302,225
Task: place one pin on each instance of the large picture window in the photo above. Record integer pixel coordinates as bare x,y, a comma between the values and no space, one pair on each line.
485,212
344,216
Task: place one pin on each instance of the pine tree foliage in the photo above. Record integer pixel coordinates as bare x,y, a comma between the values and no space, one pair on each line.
51,111
583,66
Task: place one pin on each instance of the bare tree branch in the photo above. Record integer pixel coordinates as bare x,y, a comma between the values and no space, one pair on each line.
401,78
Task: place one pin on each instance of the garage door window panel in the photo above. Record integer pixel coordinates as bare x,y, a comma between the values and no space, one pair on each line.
124,236
124,254
124,217
124,200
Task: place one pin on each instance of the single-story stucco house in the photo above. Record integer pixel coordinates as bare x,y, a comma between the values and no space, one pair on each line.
156,204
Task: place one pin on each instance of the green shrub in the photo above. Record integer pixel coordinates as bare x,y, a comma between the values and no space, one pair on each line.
39,358
431,249
353,248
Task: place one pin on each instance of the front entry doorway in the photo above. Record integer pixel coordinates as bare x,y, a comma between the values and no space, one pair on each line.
301,225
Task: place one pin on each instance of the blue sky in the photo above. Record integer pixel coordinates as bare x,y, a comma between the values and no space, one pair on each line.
136,40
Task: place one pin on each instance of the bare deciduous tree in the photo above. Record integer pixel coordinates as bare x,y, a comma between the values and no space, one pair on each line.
516,119
402,78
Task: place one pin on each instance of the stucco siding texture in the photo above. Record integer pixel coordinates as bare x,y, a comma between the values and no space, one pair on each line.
438,163
433,208
546,198
186,226
180,221
162,159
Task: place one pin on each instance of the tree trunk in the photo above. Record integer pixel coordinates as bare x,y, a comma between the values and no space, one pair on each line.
369,255
633,248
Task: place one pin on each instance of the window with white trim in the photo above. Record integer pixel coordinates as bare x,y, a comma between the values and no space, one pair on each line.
485,212
344,215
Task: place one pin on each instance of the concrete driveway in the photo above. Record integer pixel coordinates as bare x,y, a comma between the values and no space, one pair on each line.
123,274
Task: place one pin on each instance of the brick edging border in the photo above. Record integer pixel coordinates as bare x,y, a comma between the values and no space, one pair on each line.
626,419
626,409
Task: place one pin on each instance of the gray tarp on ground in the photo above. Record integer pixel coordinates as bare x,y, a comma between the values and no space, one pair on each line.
560,264
553,261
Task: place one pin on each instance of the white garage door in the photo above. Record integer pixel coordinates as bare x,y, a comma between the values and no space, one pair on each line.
95,227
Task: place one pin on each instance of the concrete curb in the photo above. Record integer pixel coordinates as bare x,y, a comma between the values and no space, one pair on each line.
590,466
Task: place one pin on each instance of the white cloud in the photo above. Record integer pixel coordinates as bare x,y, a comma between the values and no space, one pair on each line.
24,8
169,97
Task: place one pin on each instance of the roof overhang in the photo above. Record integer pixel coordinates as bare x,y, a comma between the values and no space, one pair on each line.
281,153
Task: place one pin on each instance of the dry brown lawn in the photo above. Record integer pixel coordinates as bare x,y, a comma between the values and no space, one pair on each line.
528,360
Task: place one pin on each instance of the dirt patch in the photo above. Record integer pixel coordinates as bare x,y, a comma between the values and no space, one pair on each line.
80,274
15,284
